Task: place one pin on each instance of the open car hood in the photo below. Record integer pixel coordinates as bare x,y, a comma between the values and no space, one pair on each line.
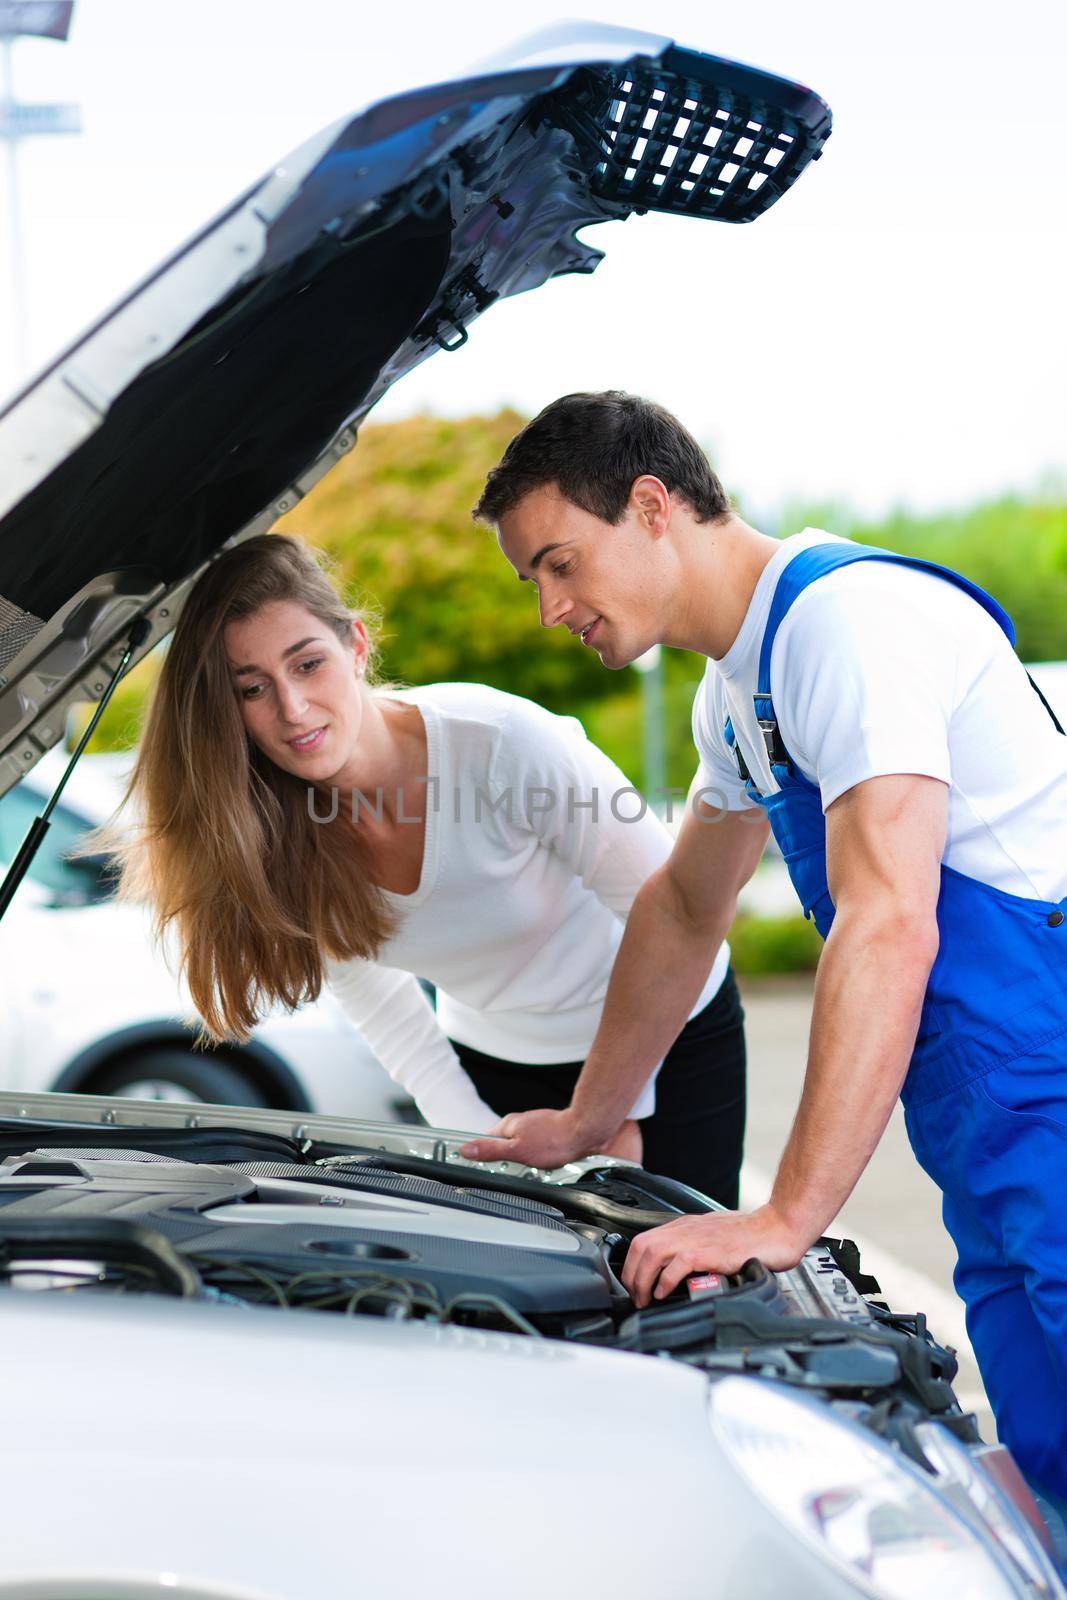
215,395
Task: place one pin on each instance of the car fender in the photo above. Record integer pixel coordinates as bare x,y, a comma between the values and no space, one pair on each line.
264,1066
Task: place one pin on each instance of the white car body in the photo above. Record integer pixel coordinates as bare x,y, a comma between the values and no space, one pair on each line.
186,1449
86,986
255,1355
288,1485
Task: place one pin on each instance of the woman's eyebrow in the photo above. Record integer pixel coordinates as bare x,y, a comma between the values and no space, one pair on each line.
240,672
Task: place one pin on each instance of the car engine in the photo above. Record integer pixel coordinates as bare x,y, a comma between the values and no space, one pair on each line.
264,1221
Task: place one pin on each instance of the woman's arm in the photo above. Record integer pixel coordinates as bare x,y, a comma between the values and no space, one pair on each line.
398,1022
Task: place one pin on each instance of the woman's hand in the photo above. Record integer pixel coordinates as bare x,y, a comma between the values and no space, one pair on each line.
546,1139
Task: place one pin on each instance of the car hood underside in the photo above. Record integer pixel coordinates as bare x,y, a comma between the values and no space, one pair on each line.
228,383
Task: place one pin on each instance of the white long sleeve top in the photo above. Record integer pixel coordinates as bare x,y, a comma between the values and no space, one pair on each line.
535,847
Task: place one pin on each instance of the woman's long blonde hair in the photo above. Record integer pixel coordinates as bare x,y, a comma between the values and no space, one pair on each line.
224,848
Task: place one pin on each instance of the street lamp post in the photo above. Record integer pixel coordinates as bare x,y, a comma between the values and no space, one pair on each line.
18,282
650,666
45,19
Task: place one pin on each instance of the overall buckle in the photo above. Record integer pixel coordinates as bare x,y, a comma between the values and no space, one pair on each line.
742,765
767,722
777,754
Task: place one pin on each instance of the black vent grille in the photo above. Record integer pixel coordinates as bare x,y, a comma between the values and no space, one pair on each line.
17,628
661,141
100,1153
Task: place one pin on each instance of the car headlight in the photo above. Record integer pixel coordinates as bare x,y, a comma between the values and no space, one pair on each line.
855,1501
966,1485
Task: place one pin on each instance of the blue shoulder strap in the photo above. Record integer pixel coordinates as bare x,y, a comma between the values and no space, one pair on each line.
820,559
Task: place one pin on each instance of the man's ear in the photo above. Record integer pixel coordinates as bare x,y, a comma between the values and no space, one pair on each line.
651,499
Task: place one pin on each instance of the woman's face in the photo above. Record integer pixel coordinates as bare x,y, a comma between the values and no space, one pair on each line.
300,690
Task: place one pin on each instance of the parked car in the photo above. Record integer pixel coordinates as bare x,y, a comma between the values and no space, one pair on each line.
91,1005
260,1355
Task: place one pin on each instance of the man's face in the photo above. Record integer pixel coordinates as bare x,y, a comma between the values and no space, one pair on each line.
599,579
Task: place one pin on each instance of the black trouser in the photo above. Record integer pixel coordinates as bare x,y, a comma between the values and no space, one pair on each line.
697,1130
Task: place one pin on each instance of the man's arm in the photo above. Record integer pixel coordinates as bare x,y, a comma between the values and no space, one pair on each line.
884,842
677,921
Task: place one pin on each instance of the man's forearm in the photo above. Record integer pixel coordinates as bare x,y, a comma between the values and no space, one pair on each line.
885,840
662,964
868,998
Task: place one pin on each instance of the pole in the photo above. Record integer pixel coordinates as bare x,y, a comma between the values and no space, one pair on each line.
650,666
18,276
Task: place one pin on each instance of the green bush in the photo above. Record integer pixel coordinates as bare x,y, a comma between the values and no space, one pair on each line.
120,726
1016,548
395,517
760,946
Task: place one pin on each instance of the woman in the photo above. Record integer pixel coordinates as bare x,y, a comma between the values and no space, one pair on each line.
299,827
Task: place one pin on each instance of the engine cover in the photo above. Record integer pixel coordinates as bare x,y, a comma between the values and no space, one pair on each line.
292,1218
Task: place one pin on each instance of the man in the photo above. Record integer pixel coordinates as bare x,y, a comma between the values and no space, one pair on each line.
874,710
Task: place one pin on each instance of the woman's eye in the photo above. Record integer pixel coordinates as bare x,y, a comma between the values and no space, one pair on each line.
255,691
562,568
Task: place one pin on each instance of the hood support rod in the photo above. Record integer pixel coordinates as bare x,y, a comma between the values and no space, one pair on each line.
40,825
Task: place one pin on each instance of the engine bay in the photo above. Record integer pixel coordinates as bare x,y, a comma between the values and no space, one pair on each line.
255,1219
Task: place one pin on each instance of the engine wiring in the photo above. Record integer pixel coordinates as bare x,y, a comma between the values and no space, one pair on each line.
352,1291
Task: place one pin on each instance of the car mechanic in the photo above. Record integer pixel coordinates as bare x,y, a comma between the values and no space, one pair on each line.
870,709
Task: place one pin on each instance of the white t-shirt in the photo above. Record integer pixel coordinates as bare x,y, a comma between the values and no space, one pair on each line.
878,669
529,870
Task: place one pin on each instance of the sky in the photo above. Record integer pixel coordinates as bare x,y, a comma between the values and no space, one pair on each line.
893,332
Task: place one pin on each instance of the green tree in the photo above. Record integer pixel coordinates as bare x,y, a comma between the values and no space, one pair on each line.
395,517
1014,547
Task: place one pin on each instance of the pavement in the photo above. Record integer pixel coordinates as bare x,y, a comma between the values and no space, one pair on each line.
894,1214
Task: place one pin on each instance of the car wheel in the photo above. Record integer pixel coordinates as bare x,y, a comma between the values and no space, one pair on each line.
177,1075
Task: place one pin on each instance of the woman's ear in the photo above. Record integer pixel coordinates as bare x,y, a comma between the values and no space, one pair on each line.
360,646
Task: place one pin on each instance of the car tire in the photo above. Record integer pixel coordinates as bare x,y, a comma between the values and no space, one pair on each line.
174,1074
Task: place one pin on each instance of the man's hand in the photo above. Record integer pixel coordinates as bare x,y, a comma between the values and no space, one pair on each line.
539,1139
658,1260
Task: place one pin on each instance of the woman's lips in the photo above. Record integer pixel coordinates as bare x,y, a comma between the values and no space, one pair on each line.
307,742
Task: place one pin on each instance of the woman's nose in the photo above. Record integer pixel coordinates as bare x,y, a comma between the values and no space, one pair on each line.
291,702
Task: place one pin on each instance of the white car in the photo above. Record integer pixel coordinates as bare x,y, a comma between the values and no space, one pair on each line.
90,1005
257,1355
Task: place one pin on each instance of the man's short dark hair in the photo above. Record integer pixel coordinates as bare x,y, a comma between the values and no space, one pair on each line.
593,446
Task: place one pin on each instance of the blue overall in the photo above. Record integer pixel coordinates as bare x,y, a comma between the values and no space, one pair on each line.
985,1096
